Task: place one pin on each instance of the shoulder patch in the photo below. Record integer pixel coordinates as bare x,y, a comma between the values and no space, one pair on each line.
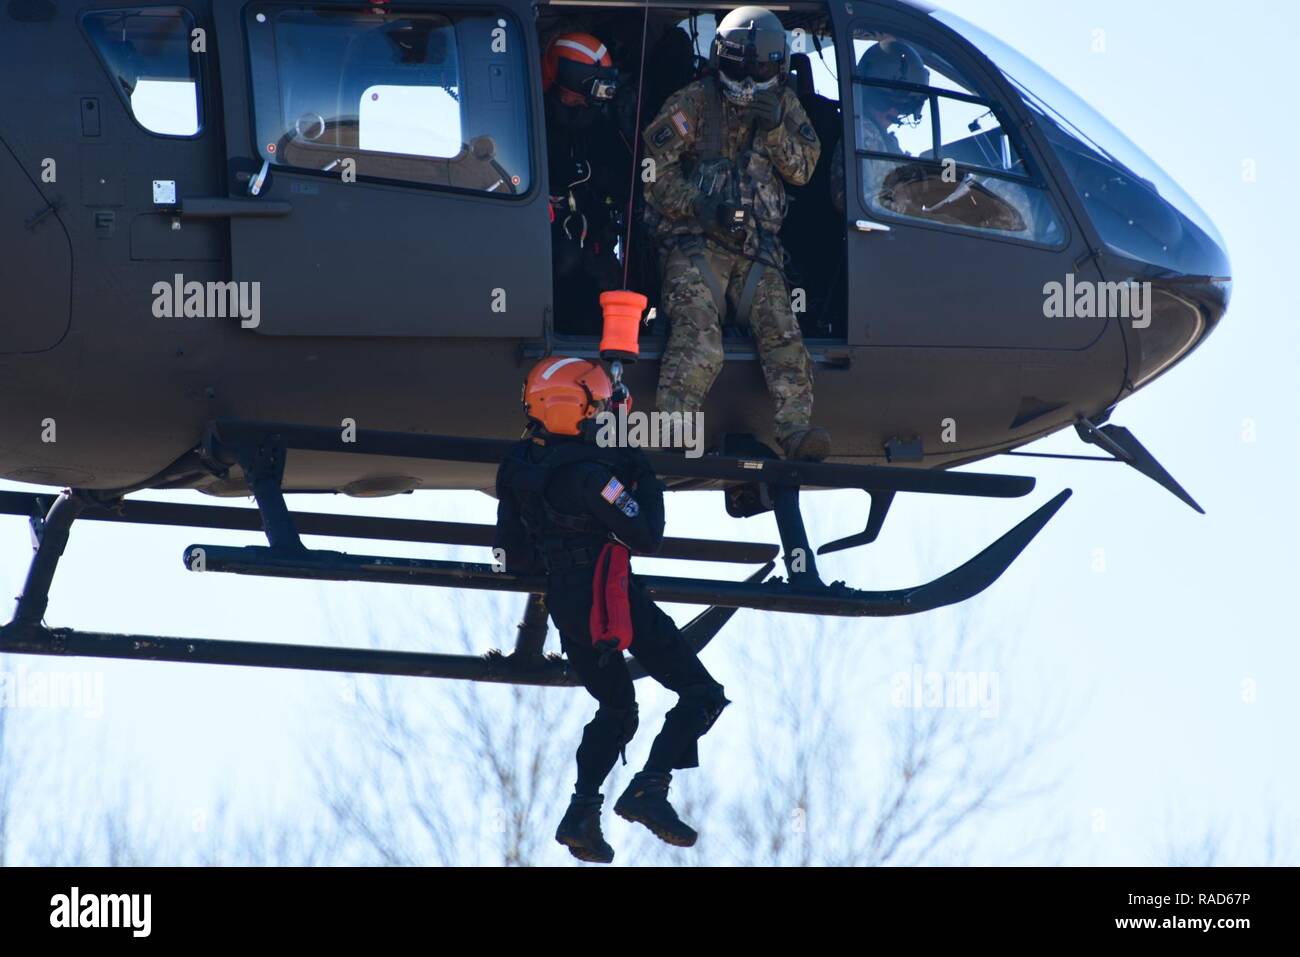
681,124
612,490
615,494
662,135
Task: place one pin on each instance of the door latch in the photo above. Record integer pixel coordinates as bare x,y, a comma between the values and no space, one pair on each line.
257,182
867,226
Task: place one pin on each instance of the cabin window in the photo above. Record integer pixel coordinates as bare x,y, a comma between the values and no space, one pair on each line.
151,57
437,99
931,146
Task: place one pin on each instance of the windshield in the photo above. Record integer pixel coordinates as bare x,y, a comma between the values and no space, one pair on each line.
1146,215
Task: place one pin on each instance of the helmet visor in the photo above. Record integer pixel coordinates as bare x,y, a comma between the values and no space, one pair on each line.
740,61
908,102
596,84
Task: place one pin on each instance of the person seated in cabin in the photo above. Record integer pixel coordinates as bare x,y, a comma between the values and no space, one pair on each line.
590,169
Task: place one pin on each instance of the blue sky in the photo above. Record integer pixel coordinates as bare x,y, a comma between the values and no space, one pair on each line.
1171,634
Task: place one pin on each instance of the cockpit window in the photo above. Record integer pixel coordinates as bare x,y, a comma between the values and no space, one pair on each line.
149,55
914,98
1138,210
931,145
430,98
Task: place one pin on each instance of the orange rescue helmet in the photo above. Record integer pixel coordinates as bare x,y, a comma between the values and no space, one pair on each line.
561,393
580,65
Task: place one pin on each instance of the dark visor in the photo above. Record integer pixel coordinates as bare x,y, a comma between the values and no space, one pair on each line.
739,61
593,82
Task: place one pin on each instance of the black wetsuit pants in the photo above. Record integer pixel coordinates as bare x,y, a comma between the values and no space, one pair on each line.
661,649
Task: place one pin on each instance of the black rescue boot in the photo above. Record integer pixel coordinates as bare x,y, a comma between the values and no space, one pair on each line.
646,802
579,831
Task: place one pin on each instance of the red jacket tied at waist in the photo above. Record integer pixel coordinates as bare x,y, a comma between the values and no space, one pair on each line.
611,614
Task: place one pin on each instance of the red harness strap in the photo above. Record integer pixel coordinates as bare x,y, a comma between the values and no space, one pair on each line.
611,613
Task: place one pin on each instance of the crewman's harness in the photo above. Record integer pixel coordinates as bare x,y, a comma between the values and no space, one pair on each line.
693,245
553,533
547,527
549,530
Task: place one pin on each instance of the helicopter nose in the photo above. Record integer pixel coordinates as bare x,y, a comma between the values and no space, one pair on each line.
1182,273
1177,316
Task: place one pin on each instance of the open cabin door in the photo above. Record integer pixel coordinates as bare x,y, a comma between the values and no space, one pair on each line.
384,177
954,225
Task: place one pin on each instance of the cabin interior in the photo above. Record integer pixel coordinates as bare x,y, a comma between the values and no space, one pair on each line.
677,42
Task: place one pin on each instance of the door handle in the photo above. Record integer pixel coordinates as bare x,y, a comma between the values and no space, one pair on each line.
222,207
867,226
255,183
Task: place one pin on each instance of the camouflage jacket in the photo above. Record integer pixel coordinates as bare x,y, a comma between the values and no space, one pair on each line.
752,169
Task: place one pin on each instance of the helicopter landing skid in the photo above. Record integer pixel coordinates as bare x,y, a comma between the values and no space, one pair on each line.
261,449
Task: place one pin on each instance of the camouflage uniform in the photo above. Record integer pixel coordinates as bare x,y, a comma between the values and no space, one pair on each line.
750,169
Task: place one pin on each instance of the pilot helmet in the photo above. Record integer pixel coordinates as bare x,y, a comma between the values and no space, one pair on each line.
894,61
750,53
579,68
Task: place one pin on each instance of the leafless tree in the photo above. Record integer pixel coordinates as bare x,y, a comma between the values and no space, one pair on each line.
9,770
453,772
824,788
1211,844
448,773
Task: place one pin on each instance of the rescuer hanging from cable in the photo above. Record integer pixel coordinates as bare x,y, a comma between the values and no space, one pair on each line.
575,511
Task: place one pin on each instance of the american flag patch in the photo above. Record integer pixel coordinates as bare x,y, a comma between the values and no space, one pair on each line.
612,491
682,123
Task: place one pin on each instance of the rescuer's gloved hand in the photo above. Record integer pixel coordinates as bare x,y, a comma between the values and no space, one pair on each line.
715,216
768,110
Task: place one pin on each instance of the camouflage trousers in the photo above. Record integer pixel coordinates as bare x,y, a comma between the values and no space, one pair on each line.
694,355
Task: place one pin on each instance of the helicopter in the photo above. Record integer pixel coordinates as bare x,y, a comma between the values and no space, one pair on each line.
305,247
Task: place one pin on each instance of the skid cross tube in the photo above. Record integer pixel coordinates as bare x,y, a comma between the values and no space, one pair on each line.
228,436
796,551
263,465
531,635
51,539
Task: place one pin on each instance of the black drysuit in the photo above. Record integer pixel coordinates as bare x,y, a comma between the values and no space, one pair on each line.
560,501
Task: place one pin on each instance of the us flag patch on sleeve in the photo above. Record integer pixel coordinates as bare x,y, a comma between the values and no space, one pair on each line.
620,498
682,123
612,491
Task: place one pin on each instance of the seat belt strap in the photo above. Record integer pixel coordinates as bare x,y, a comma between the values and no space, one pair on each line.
747,292
701,263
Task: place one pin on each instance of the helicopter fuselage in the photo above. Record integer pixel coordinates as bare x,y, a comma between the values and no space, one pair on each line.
406,306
